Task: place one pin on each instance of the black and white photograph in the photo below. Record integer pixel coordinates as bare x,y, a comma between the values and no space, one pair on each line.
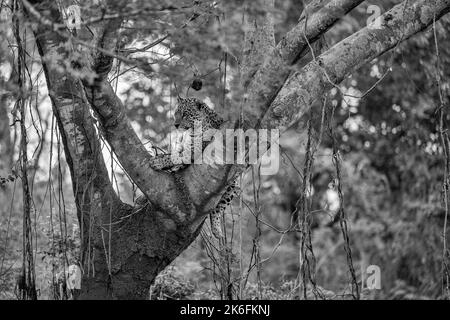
220,157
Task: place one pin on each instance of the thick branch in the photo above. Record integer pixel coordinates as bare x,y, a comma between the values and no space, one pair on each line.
124,247
264,85
158,187
71,110
95,198
135,159
309,84
278,64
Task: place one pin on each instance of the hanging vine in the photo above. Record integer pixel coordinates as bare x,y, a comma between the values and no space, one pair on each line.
27,283
445,142
341,212
302,213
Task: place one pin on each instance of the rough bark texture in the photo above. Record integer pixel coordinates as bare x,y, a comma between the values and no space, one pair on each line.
125,247
5,133
310,83
277,64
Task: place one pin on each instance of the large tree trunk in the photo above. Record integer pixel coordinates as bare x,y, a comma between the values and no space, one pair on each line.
125,247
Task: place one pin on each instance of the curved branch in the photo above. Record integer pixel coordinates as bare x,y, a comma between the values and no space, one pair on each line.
316,78
158,186
278,64
309,84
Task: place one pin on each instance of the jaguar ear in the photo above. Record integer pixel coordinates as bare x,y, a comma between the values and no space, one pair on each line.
199,104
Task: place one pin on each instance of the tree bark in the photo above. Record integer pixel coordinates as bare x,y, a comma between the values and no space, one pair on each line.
123,247
299,92
5,135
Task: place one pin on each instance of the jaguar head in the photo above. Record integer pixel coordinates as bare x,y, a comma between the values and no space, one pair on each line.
190,110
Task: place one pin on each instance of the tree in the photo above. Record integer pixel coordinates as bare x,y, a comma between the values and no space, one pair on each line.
125,247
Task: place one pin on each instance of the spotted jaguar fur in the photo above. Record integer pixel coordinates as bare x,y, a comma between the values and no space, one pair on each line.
189,111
